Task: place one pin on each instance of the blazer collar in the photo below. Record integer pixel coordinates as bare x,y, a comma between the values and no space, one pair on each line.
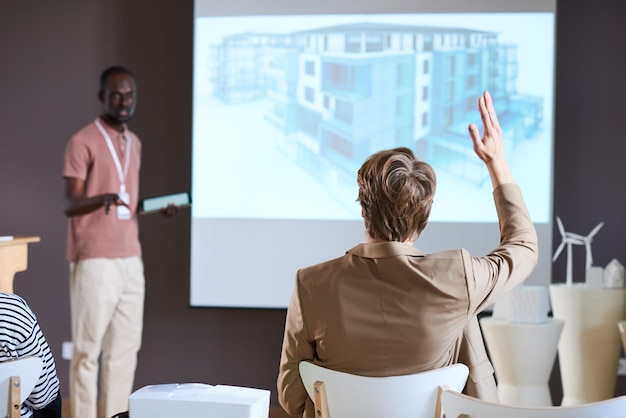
385,249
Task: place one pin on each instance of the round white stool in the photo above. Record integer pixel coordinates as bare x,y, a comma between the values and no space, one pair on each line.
590,346
523,357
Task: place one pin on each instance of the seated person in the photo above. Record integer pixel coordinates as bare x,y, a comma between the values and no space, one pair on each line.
20,336
386,308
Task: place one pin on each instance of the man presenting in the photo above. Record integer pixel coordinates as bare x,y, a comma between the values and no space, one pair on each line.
101,174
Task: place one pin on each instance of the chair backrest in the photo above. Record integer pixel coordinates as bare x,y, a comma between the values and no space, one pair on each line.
17,380
458,405
410,396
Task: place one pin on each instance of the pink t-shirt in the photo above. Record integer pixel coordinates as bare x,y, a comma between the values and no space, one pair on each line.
87,157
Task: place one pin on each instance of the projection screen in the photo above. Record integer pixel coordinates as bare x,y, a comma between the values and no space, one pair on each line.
289,98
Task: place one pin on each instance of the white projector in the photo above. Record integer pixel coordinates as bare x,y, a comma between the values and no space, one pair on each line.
197,400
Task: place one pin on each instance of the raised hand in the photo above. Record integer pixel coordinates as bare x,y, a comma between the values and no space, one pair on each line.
490,147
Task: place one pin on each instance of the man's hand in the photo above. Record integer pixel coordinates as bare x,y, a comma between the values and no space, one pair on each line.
77,203
111,199
170,210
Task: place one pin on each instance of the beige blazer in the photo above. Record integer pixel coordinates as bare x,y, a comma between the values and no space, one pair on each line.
389,309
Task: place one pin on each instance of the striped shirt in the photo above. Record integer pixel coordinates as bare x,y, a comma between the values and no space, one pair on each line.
21,336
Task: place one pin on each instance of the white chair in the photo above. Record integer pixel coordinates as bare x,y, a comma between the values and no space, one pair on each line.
343,395
457,405
17,380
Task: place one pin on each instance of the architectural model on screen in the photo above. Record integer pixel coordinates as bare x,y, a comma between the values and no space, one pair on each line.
287,108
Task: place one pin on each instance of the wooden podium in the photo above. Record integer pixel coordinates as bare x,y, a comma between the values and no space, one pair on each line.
13,258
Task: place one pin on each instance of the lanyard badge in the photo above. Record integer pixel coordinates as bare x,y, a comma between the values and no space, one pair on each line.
123,212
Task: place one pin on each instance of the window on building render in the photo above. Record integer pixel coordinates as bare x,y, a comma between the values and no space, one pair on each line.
450,65
373,43
471,81
428,43
339,76
467,41
353,43
424,119
343,111
448,116
309,94
425,93
309,68
426,67
346,78
403,75
471,60
448,91
340,144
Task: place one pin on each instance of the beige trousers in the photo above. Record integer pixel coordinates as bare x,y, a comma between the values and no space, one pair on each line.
106,296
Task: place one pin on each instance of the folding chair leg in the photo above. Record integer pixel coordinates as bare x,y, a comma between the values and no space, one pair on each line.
321,404
438,409
15,396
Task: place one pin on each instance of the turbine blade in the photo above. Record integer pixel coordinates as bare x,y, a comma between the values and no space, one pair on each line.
560,225
558,251
595,230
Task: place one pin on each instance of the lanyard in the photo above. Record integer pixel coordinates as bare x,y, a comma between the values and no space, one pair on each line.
121,173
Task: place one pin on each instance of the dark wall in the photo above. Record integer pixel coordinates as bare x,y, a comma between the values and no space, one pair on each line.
51,54
590,135
590,132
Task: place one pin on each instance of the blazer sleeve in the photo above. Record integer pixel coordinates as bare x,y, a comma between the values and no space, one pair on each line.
481,382
492,276
297,346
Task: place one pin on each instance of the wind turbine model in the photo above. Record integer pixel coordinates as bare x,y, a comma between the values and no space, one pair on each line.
569,239
587,240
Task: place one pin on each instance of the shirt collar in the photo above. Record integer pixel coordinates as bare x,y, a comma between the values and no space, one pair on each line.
114,132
